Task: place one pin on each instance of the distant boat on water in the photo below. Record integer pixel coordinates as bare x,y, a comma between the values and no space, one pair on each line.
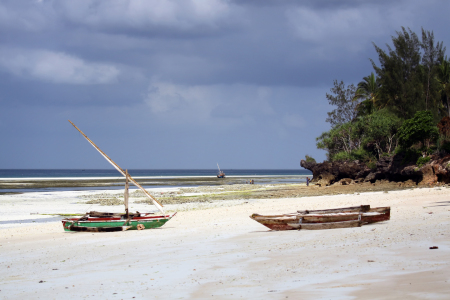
220,174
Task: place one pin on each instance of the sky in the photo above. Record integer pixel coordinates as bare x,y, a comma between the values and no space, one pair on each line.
186,84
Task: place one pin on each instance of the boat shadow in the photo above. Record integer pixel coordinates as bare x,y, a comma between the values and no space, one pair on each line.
441,203
374,224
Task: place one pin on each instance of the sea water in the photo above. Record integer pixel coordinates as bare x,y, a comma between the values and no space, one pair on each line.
70,173
149,178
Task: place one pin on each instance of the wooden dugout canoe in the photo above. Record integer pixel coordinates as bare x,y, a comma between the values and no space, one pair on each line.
365,215
330,225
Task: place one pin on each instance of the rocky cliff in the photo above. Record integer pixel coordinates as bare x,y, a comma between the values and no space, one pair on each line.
387,168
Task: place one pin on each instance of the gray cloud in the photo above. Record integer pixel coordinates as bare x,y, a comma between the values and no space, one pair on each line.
56,67
244,75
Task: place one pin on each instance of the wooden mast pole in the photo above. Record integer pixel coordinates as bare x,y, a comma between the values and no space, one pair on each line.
125,196
155,202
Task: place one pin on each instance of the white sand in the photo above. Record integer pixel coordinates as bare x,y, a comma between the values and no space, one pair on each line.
215,251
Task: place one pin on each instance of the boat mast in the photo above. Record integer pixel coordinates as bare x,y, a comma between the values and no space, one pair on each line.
125,196
155,202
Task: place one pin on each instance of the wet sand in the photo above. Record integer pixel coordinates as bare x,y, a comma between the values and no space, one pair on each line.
213,250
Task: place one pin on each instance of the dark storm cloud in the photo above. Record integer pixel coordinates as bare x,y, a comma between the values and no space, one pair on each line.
261,45
175,69
318,4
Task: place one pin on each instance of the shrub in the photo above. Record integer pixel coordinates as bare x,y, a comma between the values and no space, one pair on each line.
446,147
357,154
341,156
309,159
422,160
371,165
410,155
419,129
360,154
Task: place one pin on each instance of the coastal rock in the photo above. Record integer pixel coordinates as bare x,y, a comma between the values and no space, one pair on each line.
325,179
330,172
429,176
345,181
370,177
389,168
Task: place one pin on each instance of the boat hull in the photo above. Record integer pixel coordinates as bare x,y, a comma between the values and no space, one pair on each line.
290,221
146,222
330,225
98,229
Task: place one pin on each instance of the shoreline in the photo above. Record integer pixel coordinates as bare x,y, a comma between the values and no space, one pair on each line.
39,205
31,179
23,183
214,250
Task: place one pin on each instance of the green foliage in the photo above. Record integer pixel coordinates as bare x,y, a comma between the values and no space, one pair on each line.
342,156
401,75
360,154
445,147
431,59
381,130
407,74
357,154
371,164
411,81
346,137
410,155
443,78
422,160
367,91
419,129
342,98
309,159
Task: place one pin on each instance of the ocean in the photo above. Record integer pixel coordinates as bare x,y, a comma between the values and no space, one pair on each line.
96,173
38,180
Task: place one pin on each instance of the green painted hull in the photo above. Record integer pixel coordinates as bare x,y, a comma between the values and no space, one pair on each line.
148,223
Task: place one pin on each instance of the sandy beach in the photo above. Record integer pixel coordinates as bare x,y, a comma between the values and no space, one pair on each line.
213,250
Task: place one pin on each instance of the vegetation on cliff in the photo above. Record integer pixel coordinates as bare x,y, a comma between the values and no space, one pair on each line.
402,107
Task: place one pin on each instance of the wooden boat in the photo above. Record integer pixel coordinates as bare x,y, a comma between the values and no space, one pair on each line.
220,174
106,222
309,219
329,225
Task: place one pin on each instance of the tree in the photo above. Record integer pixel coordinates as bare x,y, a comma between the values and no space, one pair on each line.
343,99
444,129
432,55
443,78
401,75
367,91
345,137
419,129
381,129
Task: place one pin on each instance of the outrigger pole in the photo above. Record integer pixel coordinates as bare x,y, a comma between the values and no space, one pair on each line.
155,202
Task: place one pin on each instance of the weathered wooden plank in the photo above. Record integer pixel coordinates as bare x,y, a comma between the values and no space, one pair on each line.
362,208
332,225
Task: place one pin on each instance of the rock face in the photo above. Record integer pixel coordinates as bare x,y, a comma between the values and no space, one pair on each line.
387,168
